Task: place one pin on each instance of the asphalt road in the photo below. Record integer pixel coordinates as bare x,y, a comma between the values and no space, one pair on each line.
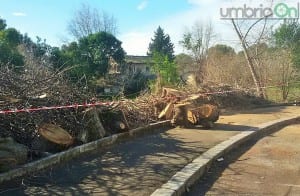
140,166
269,166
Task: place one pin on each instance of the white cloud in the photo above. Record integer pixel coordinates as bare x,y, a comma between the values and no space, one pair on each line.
201,2
20,14
136,41
142,5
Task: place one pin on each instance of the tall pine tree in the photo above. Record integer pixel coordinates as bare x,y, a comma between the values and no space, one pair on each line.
161,43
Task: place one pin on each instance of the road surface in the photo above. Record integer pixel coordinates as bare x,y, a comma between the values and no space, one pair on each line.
140,166
269,167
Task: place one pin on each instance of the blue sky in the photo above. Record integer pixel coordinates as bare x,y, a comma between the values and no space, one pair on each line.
137,19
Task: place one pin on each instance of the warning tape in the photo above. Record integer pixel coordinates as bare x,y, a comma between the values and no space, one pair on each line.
57,107
221,92
85,105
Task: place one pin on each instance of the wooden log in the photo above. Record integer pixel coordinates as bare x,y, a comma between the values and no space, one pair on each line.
114,121
205,112
197,100
169,92
93,128
55,134
125,121
119,126
159,106
11,154
180,115
167,112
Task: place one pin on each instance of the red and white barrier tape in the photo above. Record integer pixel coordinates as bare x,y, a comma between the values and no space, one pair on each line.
221,92
103,103
56,107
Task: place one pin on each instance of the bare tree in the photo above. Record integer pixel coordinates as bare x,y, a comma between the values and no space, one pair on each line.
250,45
281,71
89,20
197,41
250,62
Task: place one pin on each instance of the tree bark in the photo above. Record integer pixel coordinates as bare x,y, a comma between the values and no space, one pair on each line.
250,63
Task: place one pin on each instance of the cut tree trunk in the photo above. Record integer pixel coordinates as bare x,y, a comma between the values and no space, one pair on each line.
114,121
169,92
203,113
11,154
119,126
180,115
55,134
167,113
93,128
125,121
256,79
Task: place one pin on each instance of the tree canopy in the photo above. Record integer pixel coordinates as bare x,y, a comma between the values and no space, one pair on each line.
96,49
9,40
221,49
161,43
165,69
90,55
287,36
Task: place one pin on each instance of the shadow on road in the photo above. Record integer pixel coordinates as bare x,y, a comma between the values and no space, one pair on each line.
140,166
133,167
202,186
230,127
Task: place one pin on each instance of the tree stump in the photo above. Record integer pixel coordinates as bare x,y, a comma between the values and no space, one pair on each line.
205,115
167,112
114,121
93,128
11,154
180,117
55,134
169,92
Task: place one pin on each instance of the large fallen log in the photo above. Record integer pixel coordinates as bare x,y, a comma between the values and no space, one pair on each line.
118,126
204,113
11,154
55,134
114,121
169,92
93,128
167,112
180,115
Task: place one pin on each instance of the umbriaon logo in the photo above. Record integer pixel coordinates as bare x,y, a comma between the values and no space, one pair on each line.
281,10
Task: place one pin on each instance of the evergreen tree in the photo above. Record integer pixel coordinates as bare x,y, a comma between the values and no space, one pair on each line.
9,40
161,43
90,55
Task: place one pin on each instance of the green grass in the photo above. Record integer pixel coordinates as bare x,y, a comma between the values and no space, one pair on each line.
274,94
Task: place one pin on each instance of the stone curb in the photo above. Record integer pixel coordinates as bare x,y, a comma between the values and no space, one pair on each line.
185,178
55,159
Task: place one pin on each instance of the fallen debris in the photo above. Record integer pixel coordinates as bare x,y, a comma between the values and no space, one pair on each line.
187,110
55,134
11,154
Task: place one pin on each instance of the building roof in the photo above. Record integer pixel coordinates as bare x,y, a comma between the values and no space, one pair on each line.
138,59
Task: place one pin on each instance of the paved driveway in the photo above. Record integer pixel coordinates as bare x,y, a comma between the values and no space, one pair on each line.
269,167
141,165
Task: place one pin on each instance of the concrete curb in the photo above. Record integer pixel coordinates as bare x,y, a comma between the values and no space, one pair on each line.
79,150
185,178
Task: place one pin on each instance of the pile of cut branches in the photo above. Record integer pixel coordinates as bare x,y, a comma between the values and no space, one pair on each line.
140,111
35,87
38,86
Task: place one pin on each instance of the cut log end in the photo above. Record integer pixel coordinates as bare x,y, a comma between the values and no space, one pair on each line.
55,134
205,112
167,112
